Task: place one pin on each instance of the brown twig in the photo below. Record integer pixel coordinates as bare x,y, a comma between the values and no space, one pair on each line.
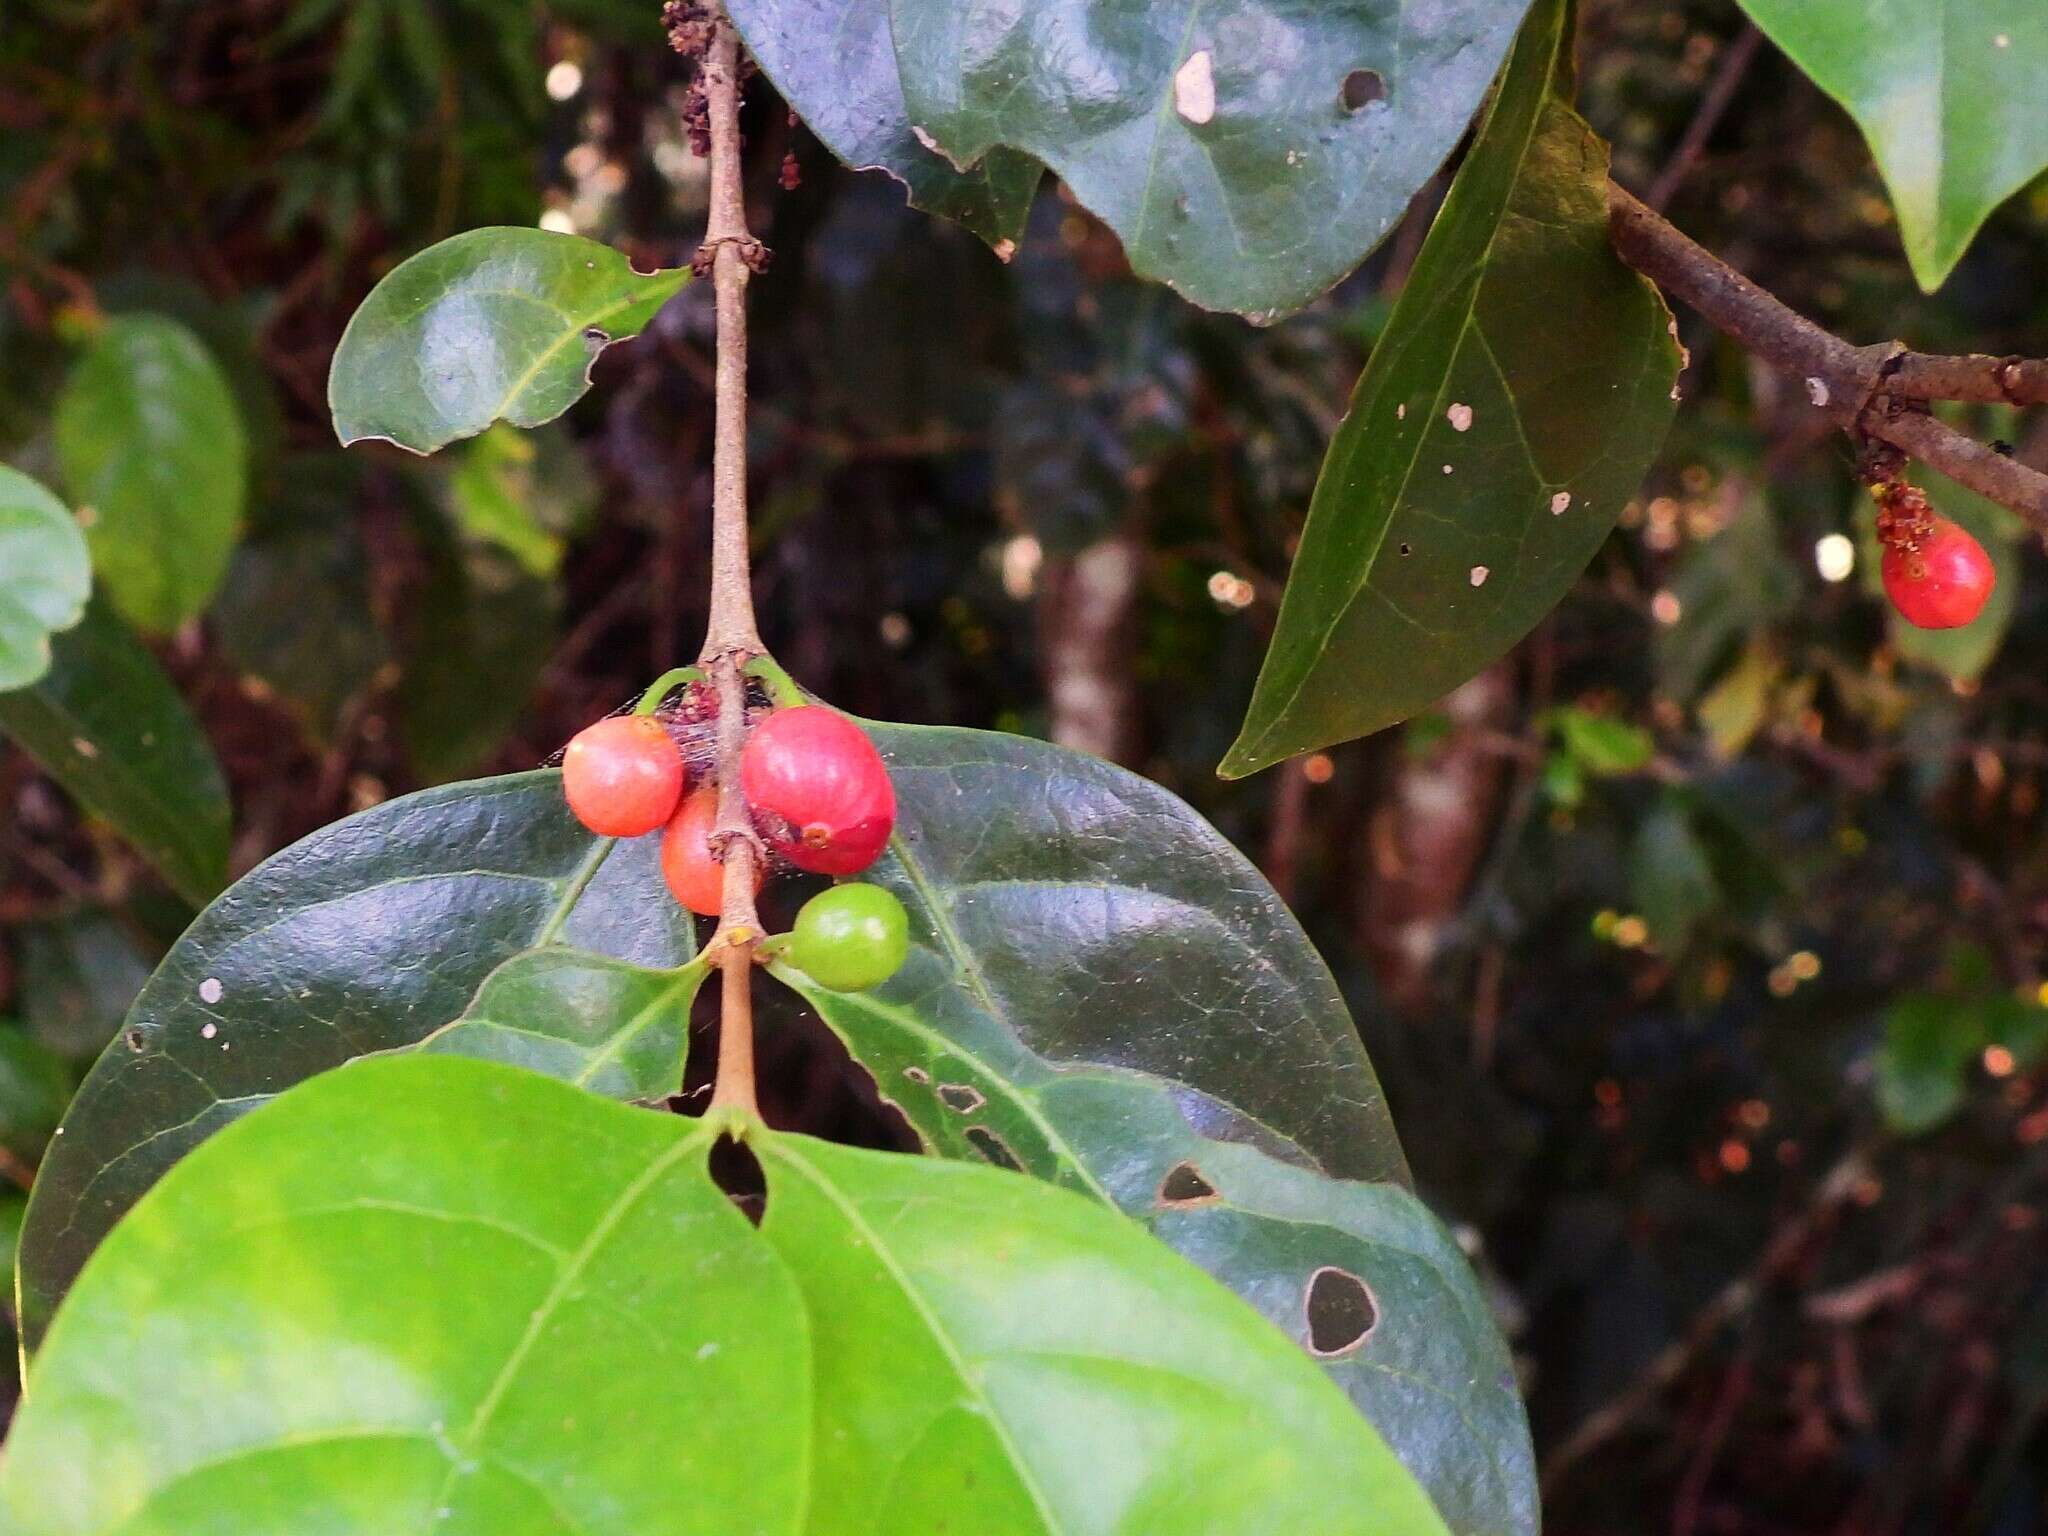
1731,1302
1855,388
1713,106
731,637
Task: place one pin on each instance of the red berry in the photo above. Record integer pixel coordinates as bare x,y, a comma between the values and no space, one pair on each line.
1940,581
694,875
819,789
623,776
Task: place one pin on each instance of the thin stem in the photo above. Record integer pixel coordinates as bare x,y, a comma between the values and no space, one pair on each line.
730,250
1876,392
731,639
665,685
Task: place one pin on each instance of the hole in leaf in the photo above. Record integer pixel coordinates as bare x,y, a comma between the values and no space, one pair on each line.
1361,88
917,1074
961,1098
1407,549
993,1147
1184,1185
736,1170
1341,1312
135,1040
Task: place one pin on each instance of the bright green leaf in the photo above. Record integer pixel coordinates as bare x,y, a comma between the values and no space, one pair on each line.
835,63
901,1341
424,1295
1601,744
45,576
1946,93
1514,403
1000,1354
494,324
369,935
152,451
106,723
1248,153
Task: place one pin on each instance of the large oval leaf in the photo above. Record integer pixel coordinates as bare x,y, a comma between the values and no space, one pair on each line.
1249,153
106,723
153,454
835,62
500,323
45,576
998,1355
361,1309
424,1296
1944,90
1511,407
1096,919
370,935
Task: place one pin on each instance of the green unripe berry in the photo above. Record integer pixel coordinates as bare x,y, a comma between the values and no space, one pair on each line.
850,938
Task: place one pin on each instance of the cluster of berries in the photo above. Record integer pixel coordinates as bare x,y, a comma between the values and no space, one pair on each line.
1936,574
819,796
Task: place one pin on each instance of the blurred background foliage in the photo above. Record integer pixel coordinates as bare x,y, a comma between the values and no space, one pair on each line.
1700,943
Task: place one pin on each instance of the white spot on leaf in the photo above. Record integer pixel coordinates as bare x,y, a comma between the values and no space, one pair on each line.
208,1030
1817,391
1194,88
1460,417
1559,502
210,990
1479,575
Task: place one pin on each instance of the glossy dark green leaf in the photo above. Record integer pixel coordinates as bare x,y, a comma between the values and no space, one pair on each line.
106,723
153,454
1517,397
1102,993
367,936
1944,90
835,63
998,1355
295,613
1094,918
45,576
425,1295
494,324
1249,153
